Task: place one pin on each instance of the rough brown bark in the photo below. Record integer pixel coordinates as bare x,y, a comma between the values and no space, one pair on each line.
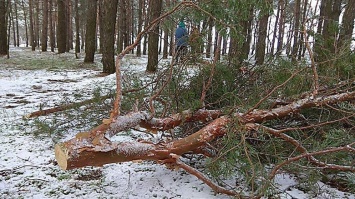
90,37
262,33
153,39
109,12
44,37
62,27
94,149
3,31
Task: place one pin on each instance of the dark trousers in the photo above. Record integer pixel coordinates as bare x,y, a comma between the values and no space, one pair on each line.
181,52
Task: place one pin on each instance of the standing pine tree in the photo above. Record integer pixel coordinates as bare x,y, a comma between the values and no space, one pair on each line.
3,31
90,38
153,40
108,35
62,27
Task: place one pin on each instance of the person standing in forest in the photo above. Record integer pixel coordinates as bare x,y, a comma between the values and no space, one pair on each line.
181,38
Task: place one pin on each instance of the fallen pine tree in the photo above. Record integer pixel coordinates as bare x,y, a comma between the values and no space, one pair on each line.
95,149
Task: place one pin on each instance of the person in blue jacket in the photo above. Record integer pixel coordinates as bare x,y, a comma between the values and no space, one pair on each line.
181,41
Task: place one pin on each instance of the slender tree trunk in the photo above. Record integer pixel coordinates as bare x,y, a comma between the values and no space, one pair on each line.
296,29
3,29
146,18
347,26
281,32
209,38
25,19
247,34
17,26
69,29
77,27
32,35
140,24
100,22
90,36
166,43
51,26
262,33
12,20
44,26
109,12
275,28
155,10
304,18
36,23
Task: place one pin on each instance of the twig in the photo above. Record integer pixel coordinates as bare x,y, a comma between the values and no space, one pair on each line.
301,148
306,155
313,65
272,91
209,82
199,175
117,103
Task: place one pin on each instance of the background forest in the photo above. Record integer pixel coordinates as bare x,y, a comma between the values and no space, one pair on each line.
280,73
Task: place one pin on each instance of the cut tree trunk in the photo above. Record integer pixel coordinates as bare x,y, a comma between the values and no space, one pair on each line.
95,149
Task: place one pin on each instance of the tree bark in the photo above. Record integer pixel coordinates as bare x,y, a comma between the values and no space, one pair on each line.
32,35
153,40
3,29
17,26
262,33
62,27
77,27
109,12
95,149
90,37
25,19
347,26
44,37
140,24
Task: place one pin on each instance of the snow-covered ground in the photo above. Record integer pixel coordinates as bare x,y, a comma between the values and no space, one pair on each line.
27,164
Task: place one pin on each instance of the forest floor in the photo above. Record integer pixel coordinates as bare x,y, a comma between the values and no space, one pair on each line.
33,80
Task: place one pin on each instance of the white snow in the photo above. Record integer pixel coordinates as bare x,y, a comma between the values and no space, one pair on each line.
27,163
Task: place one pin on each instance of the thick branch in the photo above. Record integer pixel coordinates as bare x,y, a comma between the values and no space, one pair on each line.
93,149
257,116
97,151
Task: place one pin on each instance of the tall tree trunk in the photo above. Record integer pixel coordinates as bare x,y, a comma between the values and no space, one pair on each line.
25,19
302,47
155,8
36,23
209,38
146,18
51,26
275,27
77,27
122,28
166,43
100,22
281,32
247,34
3,29
262,33
109,12
140,24
69,29
44,26
347,26
90,36
17,26
12,21
32,35
62,27
296,29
